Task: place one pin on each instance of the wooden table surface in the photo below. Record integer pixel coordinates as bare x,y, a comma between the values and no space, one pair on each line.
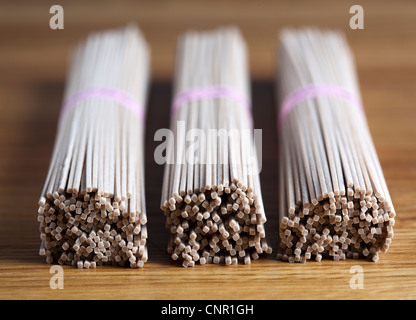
33,61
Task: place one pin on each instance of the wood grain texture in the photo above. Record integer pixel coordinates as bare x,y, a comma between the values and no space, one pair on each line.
33,61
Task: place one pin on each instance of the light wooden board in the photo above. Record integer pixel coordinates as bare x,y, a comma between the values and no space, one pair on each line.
33,62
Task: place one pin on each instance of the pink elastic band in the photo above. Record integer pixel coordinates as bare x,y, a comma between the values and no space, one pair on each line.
211,93
116,95
313,91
